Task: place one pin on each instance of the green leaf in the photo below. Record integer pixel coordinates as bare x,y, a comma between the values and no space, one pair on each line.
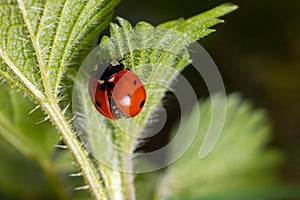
23,127
40,40
239,161
249,193
199,26
22,175
24,130
156,55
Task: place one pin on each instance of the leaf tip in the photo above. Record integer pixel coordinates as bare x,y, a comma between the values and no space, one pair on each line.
230,7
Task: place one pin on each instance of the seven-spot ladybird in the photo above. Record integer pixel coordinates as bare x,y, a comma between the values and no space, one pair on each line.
116,92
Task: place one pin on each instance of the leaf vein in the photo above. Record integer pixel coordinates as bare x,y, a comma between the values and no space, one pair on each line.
37,49
21,77
60,68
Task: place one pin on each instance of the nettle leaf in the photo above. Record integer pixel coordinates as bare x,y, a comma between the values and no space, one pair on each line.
156,55
24,128
239,161
17,172
200,25
40,40
26,132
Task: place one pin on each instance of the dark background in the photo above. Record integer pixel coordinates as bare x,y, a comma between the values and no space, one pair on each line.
257,51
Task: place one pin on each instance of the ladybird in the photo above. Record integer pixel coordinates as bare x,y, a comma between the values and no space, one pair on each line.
116,92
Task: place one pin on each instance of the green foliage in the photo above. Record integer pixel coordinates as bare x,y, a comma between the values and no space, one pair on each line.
240,166
200,25
239,161
43,40
24,128
22,175
25,132
156,55
40,40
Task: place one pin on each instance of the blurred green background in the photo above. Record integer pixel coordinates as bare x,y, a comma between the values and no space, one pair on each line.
257,51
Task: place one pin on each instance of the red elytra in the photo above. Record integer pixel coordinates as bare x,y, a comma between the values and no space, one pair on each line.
117,92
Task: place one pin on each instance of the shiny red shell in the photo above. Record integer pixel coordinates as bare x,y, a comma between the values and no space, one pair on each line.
120,94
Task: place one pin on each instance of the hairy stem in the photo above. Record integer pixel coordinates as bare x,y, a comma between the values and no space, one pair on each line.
128,178
79,153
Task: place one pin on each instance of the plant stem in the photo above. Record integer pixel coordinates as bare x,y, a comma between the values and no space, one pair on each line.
128,178
81,156
113,182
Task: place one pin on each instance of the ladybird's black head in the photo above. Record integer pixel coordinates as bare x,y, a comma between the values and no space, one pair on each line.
106,72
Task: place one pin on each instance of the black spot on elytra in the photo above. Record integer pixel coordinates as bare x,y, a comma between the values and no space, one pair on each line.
142,103
128,95
98,104
134,82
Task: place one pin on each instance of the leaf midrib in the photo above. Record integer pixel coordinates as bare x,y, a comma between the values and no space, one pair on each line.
36,92
37,50
55,37
60,65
